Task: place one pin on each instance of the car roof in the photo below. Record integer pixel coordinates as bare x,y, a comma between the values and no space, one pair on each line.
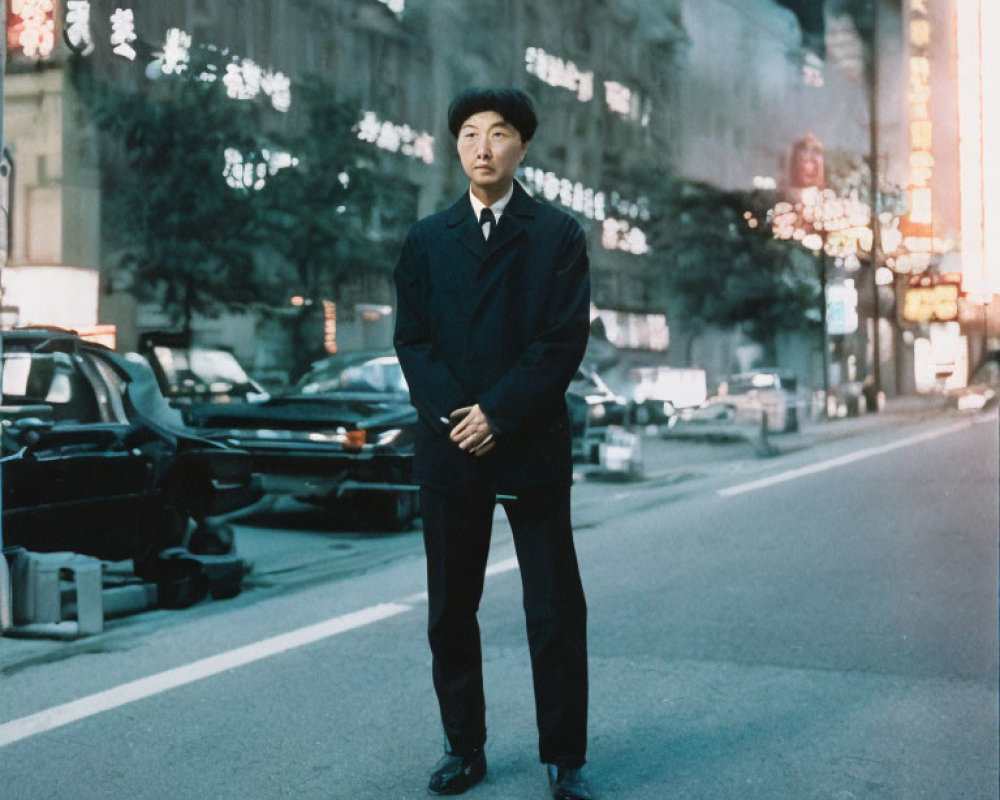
38,335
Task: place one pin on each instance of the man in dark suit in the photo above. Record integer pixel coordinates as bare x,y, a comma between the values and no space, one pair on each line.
492,319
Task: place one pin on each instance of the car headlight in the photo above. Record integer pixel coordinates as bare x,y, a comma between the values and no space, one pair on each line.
974,401
389,436
598,411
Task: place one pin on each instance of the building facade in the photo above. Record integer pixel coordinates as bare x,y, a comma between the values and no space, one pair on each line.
707,90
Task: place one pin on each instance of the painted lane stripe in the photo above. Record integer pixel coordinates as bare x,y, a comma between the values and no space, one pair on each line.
493,569
850,458
501,566
64,714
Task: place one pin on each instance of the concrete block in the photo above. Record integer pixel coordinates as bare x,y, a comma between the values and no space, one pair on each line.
38,596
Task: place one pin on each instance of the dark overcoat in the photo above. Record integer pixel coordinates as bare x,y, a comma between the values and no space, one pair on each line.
500,322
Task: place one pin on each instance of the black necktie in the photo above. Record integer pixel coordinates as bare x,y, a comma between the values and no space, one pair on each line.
487,222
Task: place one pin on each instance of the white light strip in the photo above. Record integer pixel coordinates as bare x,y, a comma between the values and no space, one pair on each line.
978,22
850,458
58,716
970,141
396,138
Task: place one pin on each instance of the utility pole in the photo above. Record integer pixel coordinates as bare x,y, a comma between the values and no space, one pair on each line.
871,78
6,609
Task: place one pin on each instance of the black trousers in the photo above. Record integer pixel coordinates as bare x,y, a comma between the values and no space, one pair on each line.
457,528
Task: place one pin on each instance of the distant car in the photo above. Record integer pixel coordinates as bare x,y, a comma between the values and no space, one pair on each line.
654,394
342,437
983,389
95,461
593,408
770,392
190,373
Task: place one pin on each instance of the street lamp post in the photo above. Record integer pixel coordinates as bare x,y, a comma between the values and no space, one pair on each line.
825,341
6,612
871,75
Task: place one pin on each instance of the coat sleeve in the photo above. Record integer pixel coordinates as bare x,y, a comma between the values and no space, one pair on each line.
434,390
538,379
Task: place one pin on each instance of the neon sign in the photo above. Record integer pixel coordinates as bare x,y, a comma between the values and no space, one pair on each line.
561,74
176,53
977,28
78,34
31,27
396,138
616,233
921,165
251,173
123,33
627,102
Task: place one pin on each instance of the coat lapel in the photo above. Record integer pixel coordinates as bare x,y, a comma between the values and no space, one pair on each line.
466,229
462,223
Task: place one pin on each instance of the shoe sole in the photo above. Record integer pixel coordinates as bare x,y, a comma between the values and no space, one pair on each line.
469,781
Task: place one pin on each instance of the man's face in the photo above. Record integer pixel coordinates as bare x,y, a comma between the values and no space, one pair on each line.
490,150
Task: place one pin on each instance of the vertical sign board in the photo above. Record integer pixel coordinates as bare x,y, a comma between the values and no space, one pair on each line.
977,29
841,308
6,610
917,224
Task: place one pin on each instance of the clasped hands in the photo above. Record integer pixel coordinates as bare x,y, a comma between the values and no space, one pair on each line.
472,432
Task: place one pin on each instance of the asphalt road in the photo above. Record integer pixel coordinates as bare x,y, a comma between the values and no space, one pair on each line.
819,625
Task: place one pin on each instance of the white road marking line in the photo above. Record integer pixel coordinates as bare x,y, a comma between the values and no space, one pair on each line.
64,714
502,566
493,569
850,458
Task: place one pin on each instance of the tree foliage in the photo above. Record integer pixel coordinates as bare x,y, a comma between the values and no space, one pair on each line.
331,214
194,241
168,216
719,270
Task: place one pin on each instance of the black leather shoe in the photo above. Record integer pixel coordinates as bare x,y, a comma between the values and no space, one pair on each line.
568,783
456,774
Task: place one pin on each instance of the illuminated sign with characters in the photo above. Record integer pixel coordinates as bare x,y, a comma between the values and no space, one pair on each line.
396,138
564,74
616,232
77,32
31,27
917,225
932,299
556,72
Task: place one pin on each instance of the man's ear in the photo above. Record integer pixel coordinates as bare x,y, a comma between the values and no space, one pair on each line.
524,149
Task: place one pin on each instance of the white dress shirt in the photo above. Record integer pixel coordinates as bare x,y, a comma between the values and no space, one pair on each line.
497,208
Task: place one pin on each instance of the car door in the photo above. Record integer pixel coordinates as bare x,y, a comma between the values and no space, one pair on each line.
73,478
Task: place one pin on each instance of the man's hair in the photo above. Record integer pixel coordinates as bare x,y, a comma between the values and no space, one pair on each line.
513,105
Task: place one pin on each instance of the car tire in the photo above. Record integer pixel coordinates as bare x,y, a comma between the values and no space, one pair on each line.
166,527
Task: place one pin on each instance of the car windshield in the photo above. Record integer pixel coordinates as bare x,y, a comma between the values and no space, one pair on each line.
758,381
380,375
200,366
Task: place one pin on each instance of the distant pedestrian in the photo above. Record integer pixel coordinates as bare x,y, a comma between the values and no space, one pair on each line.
493,305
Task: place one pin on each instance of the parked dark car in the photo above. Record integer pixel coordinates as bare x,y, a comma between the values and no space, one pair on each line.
342,437
94,459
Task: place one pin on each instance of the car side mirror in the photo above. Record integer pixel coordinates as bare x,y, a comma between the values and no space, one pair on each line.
28,430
